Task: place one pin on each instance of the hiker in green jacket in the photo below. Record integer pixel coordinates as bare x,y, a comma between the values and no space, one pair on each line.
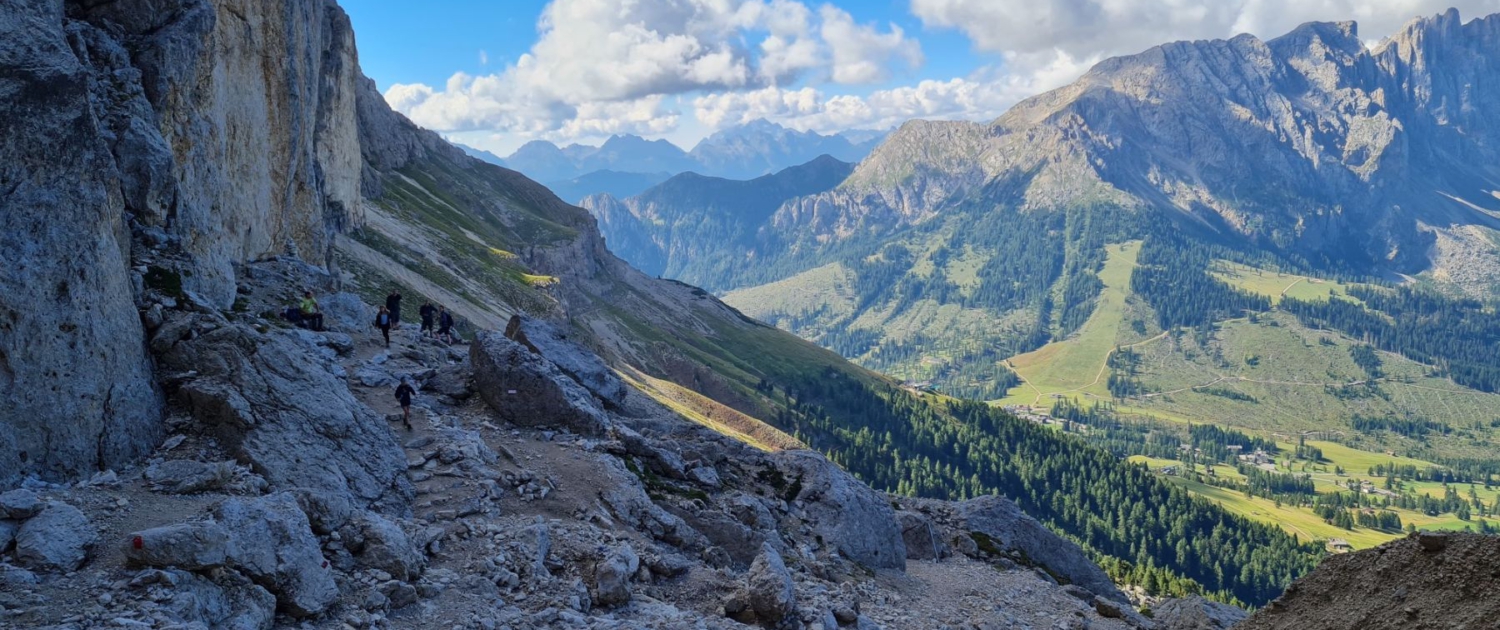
310,311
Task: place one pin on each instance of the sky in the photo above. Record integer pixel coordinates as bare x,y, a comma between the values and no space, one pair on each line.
495,74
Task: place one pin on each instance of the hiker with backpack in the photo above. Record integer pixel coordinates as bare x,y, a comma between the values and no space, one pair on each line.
404,392
393,304
428,312
445,325
384,321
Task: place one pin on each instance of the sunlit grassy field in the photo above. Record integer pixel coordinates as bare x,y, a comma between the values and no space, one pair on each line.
1076,364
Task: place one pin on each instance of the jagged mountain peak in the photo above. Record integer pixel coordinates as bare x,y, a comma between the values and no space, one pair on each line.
1352,138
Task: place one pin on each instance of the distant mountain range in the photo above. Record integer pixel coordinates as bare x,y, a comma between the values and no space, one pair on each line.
682,227
955,245
746,151
617,184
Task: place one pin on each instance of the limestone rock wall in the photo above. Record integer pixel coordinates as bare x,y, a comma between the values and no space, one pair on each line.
75,384
256,102
218,131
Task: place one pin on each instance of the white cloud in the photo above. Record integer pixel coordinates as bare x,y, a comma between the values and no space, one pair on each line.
484,58
1085,28
601,66
980,97
860,53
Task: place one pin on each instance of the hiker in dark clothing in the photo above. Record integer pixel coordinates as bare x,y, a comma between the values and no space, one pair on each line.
403,394
393,304
311,314
428,313
445,325
383,322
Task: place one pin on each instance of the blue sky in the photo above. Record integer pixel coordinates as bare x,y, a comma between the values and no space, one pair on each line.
452,32
496,74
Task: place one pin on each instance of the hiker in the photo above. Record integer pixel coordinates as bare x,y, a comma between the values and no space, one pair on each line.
403,394
393,304
383,322
428,312
445,325
311,314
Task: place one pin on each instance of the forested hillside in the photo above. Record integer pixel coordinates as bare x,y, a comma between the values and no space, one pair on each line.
1142,528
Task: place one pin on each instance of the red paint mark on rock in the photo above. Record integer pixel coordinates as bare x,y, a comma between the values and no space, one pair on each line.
138,542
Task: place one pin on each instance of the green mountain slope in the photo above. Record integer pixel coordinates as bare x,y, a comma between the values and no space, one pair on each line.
488,242
1416,439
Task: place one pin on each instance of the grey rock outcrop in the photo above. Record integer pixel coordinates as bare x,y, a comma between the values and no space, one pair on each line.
228,601
769,589
1003,524
185,476
277,405
1196,613
525,388
192,546
551,342
274,545
20,504
381,544
612,576
848,514
56,539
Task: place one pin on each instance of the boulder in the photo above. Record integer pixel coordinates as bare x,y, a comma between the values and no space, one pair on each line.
57,539
345,312
277,406
525,389
738,540
20,504
229,601
192,546
183,476
846,513
922,540
1000,522
399,594
274,545
451,381
7,533
15,579
769,589
375,377
380,544
612,576
582,365
1195,613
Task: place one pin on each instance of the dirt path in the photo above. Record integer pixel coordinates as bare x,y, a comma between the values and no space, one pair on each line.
1025,382
1110,354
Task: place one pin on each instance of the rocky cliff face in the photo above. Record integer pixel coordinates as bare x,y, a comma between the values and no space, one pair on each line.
221,131
75,383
